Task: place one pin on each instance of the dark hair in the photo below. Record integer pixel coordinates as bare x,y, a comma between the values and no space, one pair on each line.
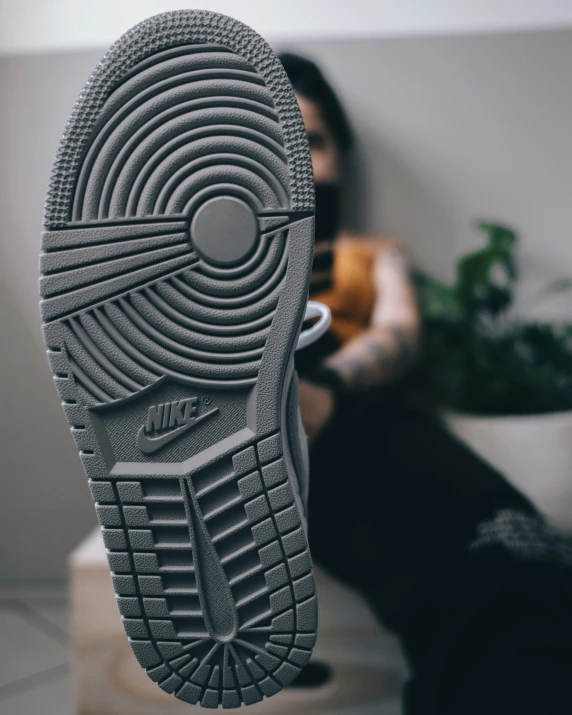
309,82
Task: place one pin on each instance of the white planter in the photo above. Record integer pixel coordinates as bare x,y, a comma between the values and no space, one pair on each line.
534,452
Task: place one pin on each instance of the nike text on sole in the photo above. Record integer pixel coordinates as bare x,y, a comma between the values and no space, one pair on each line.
151,444
176,259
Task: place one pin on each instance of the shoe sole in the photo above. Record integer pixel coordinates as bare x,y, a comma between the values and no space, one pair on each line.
172,355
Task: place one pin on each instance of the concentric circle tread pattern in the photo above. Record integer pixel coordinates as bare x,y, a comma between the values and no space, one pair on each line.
177,131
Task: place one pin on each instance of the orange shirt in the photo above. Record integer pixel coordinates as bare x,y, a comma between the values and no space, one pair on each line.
352,295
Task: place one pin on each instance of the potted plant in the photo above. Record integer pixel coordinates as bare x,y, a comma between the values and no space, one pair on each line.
503,384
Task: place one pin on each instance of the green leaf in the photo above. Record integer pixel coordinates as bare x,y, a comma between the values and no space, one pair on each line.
485,277
478,287
473,272
438,300
501,238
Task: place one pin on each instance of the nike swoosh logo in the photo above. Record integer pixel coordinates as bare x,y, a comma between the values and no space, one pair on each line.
148,445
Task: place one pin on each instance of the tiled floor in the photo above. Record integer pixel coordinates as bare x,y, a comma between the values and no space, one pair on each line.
35,674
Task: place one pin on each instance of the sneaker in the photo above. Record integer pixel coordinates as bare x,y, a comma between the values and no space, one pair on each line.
176,261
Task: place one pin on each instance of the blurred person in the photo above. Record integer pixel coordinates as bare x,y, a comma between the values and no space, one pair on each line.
454,559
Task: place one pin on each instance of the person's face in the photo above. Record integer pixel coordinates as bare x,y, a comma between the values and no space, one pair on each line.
325,154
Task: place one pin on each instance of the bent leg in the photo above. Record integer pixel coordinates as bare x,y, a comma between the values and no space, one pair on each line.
427,530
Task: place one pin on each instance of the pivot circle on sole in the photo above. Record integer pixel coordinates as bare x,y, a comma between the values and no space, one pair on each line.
224,230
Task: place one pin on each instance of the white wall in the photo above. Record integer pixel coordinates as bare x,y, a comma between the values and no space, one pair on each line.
39,25
460,128
450,129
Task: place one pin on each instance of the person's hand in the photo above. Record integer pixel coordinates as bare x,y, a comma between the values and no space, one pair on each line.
317,406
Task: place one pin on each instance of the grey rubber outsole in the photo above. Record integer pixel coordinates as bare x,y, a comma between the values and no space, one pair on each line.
175,267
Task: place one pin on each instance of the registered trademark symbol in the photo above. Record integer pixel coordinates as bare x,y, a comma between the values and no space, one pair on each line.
206,400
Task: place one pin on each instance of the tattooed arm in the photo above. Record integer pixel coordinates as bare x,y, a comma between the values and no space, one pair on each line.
382,352
389,346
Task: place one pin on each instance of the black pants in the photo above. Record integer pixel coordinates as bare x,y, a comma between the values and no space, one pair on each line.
396,507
